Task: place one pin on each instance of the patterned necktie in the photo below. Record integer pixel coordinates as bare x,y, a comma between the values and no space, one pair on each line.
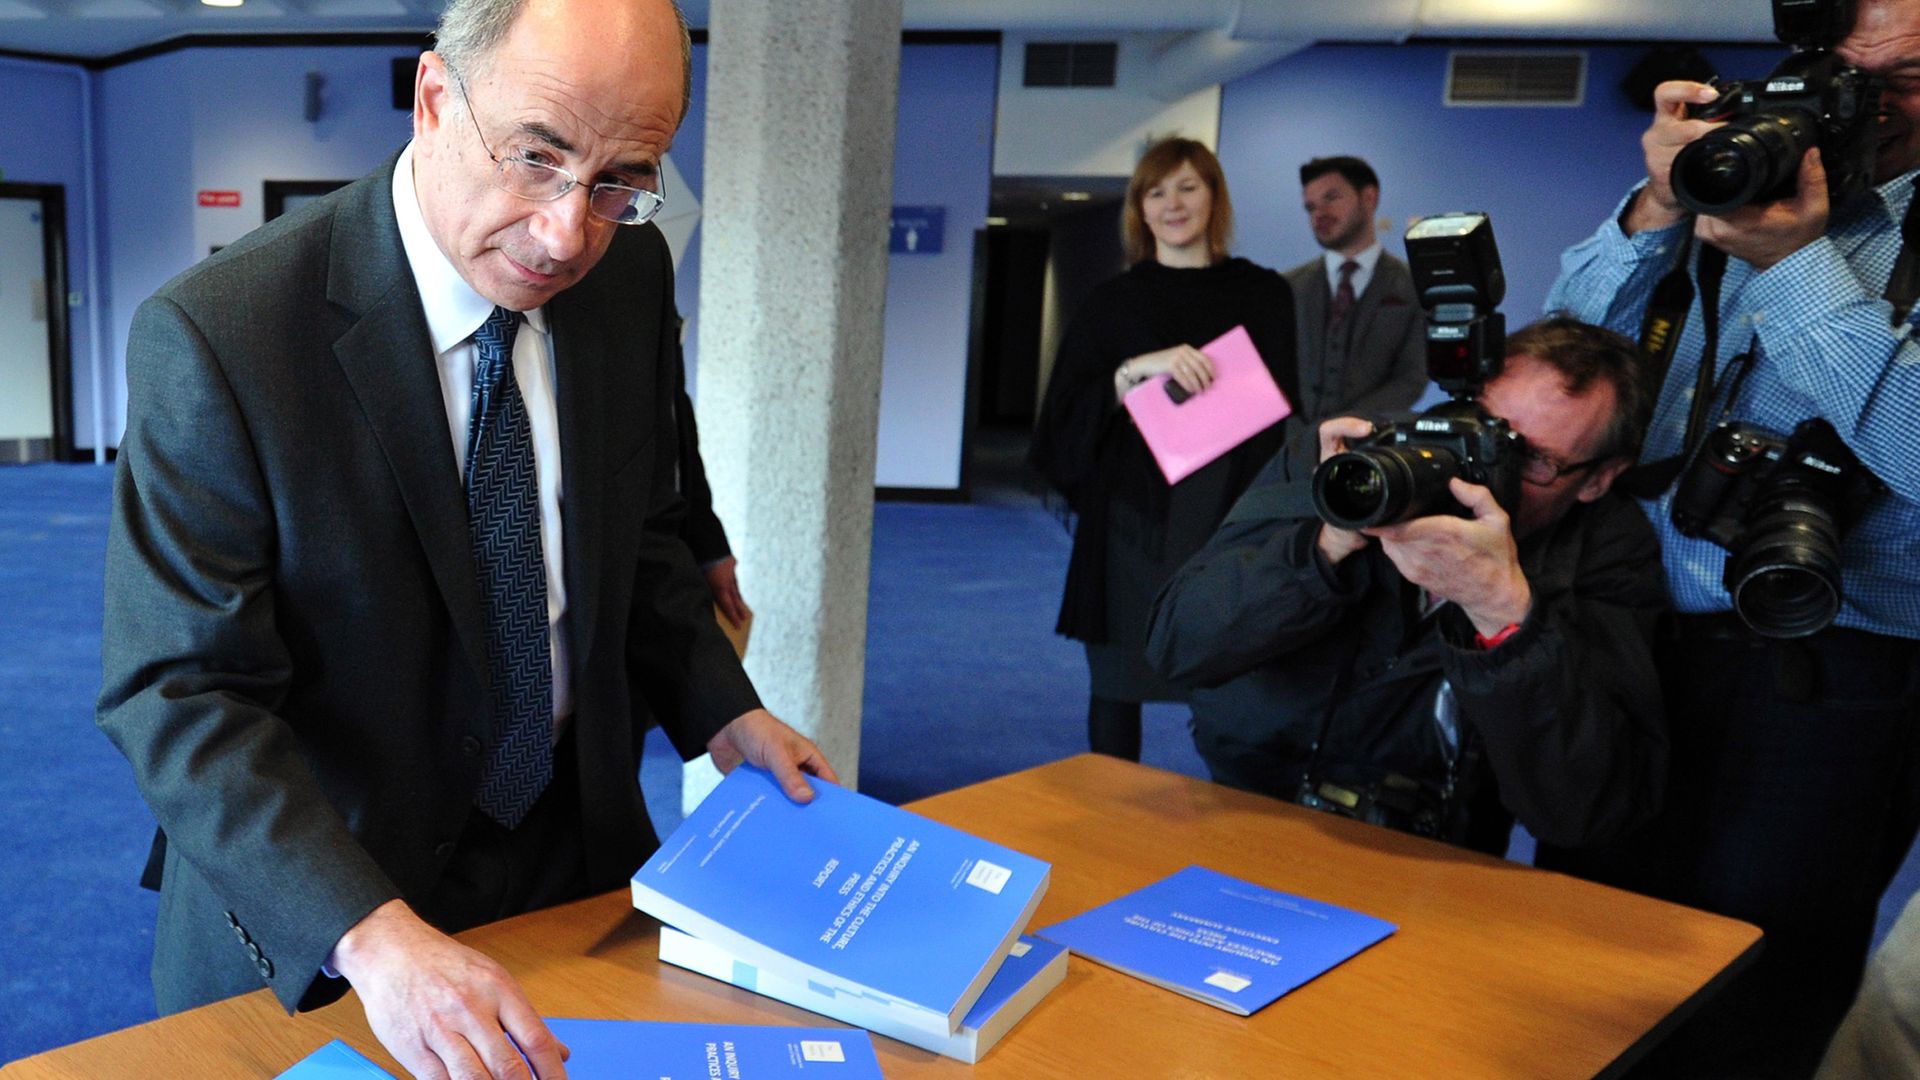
1343,295
503,513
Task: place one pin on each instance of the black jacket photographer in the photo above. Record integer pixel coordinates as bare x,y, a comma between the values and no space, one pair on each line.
1324,660
1795,778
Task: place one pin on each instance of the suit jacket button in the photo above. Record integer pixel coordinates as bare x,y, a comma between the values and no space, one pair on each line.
470,746
264,966
444,849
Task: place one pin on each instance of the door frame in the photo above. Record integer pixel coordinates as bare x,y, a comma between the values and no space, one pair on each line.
53,244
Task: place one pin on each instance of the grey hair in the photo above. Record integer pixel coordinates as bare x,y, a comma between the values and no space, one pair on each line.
470,30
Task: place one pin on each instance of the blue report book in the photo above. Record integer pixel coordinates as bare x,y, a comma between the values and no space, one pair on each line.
1031,970
848,892
1230,943
630,1049
335,1061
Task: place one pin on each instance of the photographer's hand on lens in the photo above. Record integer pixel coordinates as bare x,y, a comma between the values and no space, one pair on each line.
1337,544
1472,562
1671,130
1185,364
1765,233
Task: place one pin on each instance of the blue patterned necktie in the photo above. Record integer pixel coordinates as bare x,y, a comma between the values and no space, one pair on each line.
503,513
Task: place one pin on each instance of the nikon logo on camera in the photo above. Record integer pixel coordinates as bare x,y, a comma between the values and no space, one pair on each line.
1786,86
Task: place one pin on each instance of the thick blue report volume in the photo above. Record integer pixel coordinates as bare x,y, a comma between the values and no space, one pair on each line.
1230,943
1032,969
629,1049
846,891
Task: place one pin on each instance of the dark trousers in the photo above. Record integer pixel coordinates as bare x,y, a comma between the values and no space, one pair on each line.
495,872
1793,796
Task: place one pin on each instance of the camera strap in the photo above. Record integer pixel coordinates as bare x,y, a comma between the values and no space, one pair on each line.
1648,480
1903,285
1666,316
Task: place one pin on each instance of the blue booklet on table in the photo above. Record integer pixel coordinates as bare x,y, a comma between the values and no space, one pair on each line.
335,1061
627,1049
848,892
1230,943
1032,969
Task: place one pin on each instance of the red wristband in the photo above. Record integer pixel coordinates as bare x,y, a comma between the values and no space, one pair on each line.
1487,642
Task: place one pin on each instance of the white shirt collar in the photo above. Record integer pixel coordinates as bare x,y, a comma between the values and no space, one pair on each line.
453,309
1367,260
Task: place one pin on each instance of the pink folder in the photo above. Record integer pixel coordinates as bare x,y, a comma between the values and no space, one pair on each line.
1242,402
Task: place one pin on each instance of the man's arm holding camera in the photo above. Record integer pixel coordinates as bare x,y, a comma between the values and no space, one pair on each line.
1567,702
1828,331
1266,583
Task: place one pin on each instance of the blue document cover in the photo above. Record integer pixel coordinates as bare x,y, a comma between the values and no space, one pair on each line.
1230,943
1031,970
846,891
335,1061
630,1049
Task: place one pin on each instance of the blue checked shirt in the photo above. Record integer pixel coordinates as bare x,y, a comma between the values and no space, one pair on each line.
1822,347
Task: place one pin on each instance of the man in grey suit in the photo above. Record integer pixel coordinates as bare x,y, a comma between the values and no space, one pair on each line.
1362,338
394,581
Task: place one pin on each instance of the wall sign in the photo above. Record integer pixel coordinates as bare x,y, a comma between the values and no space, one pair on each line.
918,230
220,198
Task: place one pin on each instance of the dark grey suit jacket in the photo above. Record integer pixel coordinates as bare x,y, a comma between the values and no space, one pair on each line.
295,651
1385,369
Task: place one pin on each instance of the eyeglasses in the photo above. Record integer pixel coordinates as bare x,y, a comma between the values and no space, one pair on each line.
1542,470
521,175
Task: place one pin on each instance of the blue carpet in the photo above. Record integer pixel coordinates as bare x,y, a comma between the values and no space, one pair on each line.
75,929
964,681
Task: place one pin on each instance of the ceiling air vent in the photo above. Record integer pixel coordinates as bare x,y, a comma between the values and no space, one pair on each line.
1516,78
1070,63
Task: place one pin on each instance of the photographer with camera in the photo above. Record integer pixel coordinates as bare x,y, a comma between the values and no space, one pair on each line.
1764,259
1443,674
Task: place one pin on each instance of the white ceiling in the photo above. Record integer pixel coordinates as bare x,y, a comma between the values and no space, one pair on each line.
103,28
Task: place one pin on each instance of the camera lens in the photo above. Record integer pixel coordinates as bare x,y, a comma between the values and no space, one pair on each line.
1754,158
1785,578
1380,485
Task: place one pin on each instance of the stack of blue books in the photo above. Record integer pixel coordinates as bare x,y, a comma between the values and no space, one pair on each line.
854,909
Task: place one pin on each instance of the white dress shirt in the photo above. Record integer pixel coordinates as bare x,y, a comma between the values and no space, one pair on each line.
1367,260
454,311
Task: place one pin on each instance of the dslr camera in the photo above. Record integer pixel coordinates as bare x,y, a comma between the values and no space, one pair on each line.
1780,507
1812,99
1401,471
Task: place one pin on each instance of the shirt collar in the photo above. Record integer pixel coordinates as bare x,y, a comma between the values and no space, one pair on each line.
453,309
1366,259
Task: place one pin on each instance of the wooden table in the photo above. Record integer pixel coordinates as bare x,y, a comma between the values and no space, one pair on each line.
1497,969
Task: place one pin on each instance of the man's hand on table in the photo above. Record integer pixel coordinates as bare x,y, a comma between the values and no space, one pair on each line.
443,1010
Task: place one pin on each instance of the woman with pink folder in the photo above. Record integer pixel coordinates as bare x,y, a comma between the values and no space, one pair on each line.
1134,528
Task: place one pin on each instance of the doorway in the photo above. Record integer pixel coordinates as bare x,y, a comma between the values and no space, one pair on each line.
36,361
1048,242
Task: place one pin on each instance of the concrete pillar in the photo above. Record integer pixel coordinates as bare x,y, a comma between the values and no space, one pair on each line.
801,97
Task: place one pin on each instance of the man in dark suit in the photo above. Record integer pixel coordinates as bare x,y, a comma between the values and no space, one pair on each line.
394,581
1362,340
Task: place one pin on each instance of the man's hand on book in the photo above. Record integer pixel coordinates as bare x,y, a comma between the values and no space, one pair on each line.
760,738
442,1009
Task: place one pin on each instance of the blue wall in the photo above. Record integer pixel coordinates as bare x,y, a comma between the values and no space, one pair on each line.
1548,176
174,125
943,156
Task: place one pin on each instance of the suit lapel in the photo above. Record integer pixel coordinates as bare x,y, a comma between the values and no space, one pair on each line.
579,361
388,357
